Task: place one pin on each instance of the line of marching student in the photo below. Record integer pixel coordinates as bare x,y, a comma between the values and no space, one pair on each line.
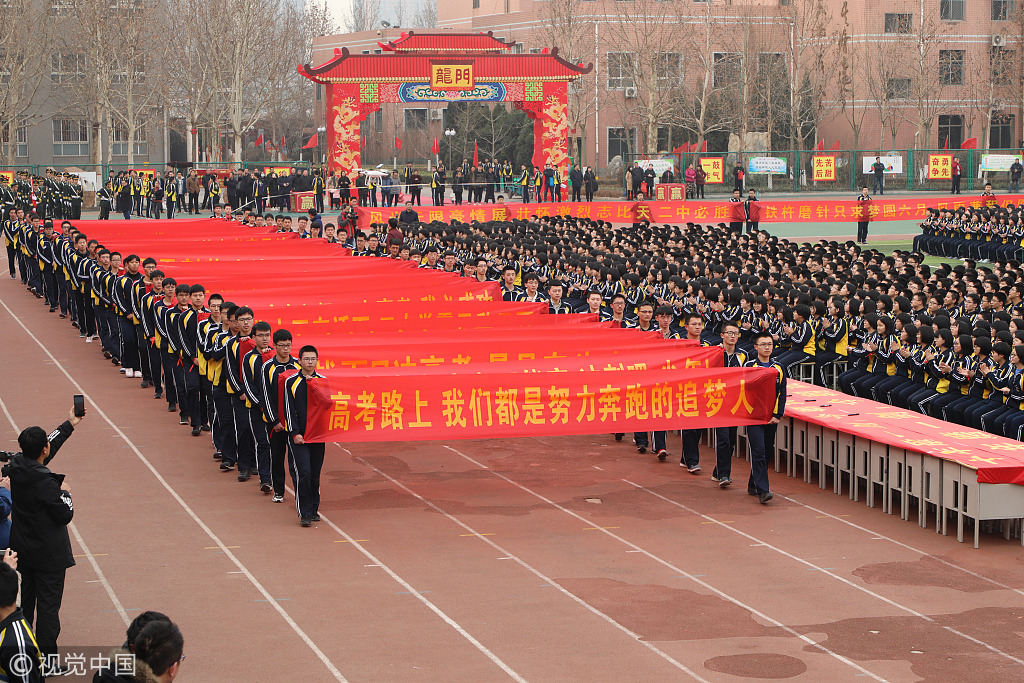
214,365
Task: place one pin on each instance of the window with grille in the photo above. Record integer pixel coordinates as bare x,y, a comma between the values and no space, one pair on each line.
620,70
898,23
951,10
70,137
951,67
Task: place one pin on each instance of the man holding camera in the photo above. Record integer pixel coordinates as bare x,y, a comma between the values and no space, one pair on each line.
41,513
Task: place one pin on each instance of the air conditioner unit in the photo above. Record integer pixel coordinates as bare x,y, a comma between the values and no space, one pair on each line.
630,93
436,114
998,41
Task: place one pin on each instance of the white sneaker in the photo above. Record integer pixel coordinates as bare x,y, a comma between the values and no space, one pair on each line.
88,340
138,373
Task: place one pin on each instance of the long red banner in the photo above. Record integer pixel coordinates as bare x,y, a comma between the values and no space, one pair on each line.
809,210
406,407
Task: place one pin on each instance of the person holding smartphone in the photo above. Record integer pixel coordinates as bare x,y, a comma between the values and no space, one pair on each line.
42,510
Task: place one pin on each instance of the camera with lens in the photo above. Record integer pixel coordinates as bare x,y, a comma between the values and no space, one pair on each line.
5,458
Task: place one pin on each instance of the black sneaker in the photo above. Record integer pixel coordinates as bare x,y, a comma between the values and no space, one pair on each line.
217,455
315,518
278,498
765,497
182,420
266,488
172,407
751,491
724,482
145,384
641,449
226,466
306,521
662,454
158,395
618,437
204,428
195,431
244,475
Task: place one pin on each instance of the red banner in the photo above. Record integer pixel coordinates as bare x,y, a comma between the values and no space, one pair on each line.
498,405
809,210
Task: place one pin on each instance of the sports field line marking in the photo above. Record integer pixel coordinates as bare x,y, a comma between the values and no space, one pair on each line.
536,572
720,593
878,536
478,464
100,576
828,571
418,594
181,501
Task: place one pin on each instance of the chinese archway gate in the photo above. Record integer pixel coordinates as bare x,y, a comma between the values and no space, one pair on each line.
446,67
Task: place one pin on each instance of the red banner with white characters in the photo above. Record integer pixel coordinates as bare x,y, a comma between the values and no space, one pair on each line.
809,210
402,407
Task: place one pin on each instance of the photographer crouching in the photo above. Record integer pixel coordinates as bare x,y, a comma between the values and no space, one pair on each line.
41,512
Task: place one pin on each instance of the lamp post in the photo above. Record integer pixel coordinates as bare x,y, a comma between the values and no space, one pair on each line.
320,133
450,134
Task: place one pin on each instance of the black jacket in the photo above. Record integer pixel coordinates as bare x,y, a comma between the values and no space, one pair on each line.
41,511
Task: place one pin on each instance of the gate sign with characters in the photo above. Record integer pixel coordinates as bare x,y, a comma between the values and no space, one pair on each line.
823,168
940,166
451,76
714,167
442,66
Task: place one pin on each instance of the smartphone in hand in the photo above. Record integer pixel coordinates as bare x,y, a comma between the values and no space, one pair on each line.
79,405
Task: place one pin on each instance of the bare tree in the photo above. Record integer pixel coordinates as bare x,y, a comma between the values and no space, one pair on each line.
849,68
568,27
425,16
813,46
651,63
888,87
364,16
24,57
929,71
138,75
712,74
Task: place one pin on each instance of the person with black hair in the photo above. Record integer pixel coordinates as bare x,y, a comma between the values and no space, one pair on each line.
42,510
307,459
761,438
20,658
153,653
254,392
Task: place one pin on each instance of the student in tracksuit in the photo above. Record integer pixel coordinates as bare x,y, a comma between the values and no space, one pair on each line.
252,383
762,437
234,349
998,374
224,439
725,437
275,371
307,459
162,341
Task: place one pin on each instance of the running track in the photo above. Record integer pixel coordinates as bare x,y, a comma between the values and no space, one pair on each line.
563,559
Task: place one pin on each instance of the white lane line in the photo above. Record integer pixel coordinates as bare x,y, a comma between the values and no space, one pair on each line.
418,594
101,577
536,572
826,570
691,577
480,465
878,536
188,510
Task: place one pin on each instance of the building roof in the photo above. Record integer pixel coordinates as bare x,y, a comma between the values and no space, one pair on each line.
415,67
446,42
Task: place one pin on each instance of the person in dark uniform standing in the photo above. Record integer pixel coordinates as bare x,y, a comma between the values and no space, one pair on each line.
762,437
276,371
752,210
307,459
863,200
42,509
725,437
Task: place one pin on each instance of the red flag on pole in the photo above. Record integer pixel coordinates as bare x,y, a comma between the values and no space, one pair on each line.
398,143
820,146
970,143
435,148
312,141
682,149
835,145
283,143
476,153
945,144
704,147
259,141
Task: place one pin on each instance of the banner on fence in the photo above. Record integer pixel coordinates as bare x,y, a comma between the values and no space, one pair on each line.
767,165
893,164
